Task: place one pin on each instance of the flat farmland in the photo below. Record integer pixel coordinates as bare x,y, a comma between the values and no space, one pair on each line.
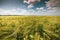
29,27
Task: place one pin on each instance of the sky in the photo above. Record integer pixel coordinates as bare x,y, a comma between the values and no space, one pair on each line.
30,7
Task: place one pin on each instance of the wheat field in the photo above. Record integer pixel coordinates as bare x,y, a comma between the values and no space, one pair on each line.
29,27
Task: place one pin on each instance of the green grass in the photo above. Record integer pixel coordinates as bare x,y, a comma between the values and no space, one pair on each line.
29,27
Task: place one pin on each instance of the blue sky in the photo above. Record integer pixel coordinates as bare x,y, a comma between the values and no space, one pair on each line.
9,4
36,7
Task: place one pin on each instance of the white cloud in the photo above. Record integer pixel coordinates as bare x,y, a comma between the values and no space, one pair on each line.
31,2
7,12
53,4
53,8
48,11
19,11
40,9
30,6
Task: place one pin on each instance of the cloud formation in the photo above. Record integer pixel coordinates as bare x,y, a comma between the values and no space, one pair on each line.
30,6
7,12
17,11
53,7
31,2
53,4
